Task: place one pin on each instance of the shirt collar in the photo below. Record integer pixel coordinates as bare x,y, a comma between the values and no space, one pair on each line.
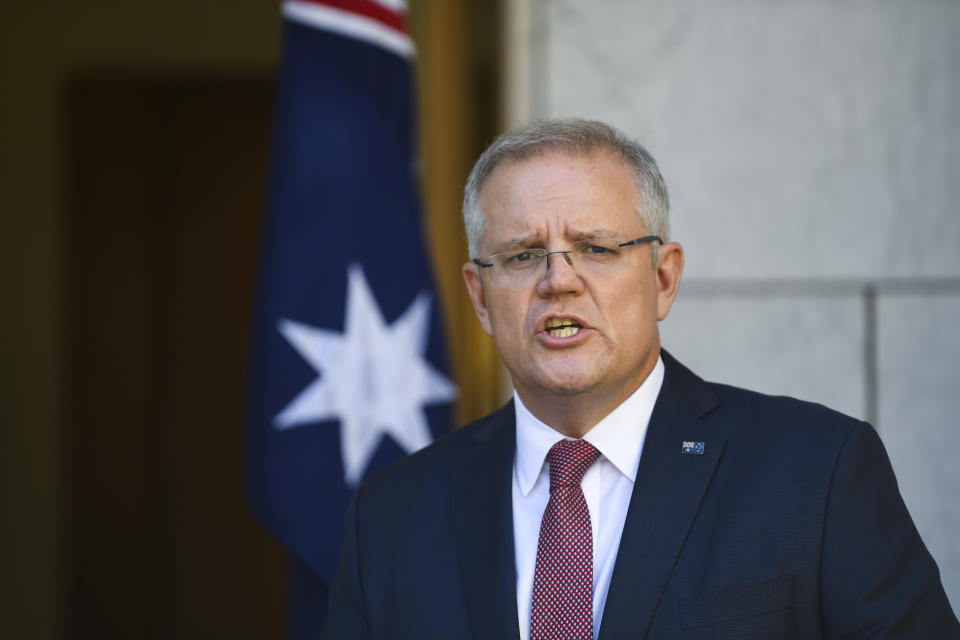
618,437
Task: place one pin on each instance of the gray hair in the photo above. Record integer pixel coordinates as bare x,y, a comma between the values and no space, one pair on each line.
576,137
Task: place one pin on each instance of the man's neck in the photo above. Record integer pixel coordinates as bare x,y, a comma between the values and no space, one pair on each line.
574,415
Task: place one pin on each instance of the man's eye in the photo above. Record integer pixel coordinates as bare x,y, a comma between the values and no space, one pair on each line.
598,250
517,260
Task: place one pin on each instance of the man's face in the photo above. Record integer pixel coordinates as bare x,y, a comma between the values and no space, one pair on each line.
550,201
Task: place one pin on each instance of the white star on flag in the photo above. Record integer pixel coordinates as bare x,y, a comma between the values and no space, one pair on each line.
373,377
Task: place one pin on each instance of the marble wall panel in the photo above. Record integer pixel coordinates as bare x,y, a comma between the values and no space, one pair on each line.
806,347
919,383
811,149
806,134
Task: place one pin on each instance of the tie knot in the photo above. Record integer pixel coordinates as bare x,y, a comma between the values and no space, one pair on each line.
569,460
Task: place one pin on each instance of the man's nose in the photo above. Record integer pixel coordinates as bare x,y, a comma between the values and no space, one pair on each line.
561,252
560,275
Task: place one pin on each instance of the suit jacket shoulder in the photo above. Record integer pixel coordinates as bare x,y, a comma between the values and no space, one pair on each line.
427,545
789,524
423,479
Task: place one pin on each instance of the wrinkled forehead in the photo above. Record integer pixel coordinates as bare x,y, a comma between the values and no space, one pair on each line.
521,172
559,195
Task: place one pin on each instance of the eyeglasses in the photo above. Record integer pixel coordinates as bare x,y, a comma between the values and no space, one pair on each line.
587,257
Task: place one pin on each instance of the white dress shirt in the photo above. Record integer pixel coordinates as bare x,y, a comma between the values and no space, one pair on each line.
607,487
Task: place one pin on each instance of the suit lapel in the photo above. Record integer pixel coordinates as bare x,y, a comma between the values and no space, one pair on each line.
666,497
483,514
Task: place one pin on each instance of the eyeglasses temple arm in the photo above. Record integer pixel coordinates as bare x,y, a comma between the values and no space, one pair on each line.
641,240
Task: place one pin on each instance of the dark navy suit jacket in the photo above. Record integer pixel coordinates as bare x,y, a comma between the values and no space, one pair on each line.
789,525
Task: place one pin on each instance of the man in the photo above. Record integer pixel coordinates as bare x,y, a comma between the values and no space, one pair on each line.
619,495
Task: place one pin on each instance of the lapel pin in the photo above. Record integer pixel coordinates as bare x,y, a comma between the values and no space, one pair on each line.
692,448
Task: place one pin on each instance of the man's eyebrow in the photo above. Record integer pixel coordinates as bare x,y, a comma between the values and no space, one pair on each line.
595,234
526,241
523,241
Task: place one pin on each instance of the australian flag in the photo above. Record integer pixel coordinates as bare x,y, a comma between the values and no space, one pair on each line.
348,351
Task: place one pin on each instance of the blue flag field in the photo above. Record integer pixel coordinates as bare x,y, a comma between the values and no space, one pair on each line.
348,359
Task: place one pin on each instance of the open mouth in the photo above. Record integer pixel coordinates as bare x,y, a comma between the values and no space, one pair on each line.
562,327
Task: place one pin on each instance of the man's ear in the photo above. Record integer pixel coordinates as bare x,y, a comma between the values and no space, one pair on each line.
472,277
668,272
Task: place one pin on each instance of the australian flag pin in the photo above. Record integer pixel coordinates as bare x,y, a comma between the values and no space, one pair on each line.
692,448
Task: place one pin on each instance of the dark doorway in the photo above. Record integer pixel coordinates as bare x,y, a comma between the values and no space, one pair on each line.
165,181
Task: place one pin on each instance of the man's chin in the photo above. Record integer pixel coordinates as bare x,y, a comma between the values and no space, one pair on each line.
568,383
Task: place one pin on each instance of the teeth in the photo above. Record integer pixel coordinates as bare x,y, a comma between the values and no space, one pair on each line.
562,327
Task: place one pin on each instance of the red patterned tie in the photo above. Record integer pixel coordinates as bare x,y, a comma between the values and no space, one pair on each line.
563,581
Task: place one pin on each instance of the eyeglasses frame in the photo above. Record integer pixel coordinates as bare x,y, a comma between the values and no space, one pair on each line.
480,262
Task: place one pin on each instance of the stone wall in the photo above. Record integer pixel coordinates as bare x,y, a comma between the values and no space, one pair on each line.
812,150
